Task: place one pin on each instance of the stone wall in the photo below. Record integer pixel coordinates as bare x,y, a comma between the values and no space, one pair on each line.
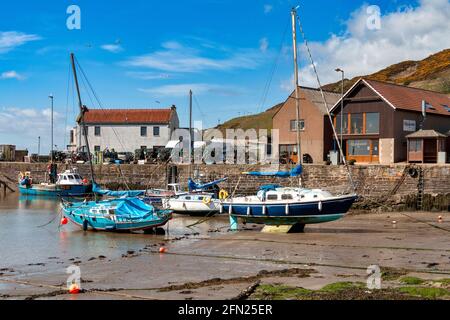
374,182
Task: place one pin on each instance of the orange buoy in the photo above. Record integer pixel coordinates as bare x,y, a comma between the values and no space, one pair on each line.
74,289
64,221
440,218
162,250
394,222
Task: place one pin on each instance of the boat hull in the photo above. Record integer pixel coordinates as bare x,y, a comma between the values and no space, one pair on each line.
99,223
193,207
54,190
290,213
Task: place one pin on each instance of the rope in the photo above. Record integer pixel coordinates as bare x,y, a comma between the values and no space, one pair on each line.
326,105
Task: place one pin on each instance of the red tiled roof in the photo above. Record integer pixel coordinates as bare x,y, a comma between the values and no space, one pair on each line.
122,116
408,98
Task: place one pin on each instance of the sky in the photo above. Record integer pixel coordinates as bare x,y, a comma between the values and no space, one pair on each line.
236,56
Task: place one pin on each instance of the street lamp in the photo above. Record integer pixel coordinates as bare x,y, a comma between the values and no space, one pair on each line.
51,154
342,107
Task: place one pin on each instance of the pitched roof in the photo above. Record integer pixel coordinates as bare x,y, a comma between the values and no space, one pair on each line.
315,97
128,116
426,134
407,98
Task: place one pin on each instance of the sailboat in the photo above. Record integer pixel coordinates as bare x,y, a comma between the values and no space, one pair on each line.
117,214
294,207
202,198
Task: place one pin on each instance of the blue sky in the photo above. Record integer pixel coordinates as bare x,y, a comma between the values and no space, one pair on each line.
140,54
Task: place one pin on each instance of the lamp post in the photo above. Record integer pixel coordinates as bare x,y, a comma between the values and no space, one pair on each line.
39,148
51,154
342,106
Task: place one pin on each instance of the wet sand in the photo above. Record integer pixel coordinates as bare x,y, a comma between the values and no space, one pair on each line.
209,262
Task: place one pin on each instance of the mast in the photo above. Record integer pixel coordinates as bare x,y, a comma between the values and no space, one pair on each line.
51,140
297,94
82,111
190,134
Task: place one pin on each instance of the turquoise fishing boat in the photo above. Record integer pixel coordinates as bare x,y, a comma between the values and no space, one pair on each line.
117,215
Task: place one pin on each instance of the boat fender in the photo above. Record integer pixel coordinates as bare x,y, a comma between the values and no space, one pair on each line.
230,209
85,225
249,211
221,208
286,209
320,205
223,194
264,209
206,200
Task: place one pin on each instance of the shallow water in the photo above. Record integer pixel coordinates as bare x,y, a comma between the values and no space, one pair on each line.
30,234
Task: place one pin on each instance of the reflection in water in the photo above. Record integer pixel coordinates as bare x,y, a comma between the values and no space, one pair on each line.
27,237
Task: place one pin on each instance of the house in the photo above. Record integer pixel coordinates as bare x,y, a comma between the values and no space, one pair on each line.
126,130
314,125
377,118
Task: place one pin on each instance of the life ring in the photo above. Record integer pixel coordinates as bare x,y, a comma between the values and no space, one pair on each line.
223,194
206,200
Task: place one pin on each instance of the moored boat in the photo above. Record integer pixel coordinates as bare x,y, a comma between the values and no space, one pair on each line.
69,183
118,215
275,205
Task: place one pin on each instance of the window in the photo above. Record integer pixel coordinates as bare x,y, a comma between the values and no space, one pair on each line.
143,147
356,123
372,123
143,131
301,122
72,138
85,131
286,197
156,131
375,148
344,123
409,125
359,147
97,148
97,131
415,145
272,197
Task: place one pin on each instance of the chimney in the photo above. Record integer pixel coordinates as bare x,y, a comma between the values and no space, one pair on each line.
424,113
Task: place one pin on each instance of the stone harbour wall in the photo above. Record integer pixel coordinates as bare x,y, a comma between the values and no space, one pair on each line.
375,183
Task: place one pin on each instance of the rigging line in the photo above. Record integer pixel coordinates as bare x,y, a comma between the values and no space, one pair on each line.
273,70
198,108
98,100
326,104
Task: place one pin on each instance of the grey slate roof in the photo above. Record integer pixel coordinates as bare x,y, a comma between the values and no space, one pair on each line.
426,134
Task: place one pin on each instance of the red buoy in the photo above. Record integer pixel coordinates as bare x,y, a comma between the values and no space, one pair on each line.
162,250
74,289
85,181
64,221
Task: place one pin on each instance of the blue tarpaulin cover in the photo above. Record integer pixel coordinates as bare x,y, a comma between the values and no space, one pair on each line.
133,208
104,192
196,186
281,174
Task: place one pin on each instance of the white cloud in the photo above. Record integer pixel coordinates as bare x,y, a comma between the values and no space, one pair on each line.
406,34
268,8
113,48
11,75
179,90
12,39
175,57
263,44
147,75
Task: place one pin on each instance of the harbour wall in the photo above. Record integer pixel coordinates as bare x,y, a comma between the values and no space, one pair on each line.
389,187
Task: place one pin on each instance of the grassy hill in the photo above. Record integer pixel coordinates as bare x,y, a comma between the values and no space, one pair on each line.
432,73
261,120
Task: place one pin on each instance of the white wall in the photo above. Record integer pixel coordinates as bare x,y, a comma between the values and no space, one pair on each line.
125,138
